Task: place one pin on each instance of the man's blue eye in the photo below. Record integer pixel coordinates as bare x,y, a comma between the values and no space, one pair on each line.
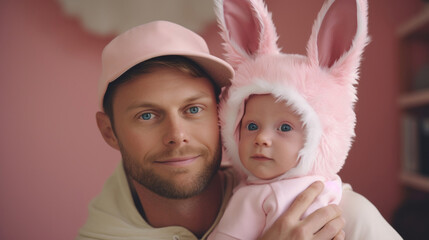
146,116
252,127
194,110
285,127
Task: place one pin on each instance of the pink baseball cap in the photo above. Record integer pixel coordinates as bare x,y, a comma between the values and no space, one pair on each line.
155,39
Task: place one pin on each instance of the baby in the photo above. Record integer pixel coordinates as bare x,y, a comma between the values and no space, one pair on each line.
271,139
287,120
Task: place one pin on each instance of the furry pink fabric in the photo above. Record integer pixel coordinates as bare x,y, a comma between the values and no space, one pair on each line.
319,86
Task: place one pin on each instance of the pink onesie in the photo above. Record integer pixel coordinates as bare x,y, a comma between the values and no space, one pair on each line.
255,207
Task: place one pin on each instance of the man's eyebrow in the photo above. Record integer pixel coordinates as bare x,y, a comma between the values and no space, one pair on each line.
198,96
141,105
193,98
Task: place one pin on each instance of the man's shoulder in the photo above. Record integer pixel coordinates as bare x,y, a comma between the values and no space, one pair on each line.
363,220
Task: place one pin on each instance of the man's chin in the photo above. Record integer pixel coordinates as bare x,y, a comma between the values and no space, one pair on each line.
175,186
175,182
178,190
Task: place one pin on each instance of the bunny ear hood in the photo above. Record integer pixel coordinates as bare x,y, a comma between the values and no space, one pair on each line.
320,87
246,28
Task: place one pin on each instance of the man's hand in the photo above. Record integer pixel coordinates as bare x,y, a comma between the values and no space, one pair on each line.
324,223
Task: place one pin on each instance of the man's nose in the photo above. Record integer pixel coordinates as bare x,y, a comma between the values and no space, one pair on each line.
263,139
175,131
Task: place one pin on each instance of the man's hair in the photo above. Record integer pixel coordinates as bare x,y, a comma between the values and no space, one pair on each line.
180,63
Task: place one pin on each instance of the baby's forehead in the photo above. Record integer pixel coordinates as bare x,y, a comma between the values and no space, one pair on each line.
267,102
267,105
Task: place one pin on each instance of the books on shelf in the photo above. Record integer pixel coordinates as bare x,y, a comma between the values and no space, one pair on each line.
423,142
409,144
415,144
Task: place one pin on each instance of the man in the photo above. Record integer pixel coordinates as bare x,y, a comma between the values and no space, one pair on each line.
158,93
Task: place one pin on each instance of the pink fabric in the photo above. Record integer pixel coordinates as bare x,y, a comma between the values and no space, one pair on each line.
254,208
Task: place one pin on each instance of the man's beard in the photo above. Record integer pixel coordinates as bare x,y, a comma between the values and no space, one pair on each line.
166,187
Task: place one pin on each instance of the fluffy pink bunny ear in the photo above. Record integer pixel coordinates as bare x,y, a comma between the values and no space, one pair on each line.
339,36
246,28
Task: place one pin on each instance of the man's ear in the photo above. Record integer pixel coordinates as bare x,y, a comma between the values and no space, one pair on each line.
106,130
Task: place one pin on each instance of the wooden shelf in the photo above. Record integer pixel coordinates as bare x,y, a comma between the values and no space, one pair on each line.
415,180
414,24
413,38
414,99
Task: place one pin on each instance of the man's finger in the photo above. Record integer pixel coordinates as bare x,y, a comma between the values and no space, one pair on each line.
327,222
340,236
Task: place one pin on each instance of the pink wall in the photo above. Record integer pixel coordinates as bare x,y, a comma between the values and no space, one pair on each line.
53,160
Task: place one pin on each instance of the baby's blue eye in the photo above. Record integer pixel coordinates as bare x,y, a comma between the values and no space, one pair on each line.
252,127
146,116
285,127
194,110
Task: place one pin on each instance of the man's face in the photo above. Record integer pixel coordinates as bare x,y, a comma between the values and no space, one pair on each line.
270,137
167,129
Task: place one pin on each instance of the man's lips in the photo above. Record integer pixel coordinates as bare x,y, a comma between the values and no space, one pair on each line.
260,157
178,161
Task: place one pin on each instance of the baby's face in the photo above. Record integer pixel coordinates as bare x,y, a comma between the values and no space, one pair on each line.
271,135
